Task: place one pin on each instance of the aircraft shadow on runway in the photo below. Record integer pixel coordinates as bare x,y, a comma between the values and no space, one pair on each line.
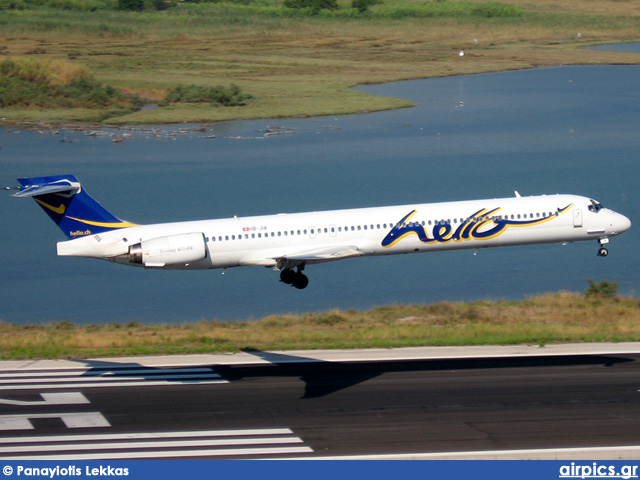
323,377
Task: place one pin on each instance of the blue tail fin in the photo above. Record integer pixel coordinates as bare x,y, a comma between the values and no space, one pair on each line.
66,202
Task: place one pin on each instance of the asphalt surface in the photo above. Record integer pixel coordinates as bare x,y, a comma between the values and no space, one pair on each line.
296,408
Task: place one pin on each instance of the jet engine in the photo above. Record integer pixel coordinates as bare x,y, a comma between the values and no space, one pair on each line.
179,249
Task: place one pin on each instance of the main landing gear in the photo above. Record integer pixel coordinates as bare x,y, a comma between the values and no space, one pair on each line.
602,251
296,279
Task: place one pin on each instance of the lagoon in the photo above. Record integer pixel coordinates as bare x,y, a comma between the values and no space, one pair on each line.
547,130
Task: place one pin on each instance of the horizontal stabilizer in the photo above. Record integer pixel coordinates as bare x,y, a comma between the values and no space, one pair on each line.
33,187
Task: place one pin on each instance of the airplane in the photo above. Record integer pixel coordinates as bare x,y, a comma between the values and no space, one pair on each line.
289,242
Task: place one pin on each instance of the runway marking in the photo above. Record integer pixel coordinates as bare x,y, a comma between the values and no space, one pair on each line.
62,398
107,372
107,377
170,443
234,443
71,420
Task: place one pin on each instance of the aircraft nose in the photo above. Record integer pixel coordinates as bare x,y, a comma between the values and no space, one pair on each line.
621,223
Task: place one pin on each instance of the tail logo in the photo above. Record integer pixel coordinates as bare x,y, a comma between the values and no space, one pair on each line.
59,210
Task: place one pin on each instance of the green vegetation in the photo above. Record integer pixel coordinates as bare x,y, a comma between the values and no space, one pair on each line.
605,288
312,7
288,8
49,84
216,95
43,83
559,317
295,57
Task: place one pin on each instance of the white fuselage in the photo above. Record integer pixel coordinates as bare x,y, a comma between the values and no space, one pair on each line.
290,240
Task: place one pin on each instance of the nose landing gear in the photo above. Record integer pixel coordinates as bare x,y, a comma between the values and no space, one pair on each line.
602,251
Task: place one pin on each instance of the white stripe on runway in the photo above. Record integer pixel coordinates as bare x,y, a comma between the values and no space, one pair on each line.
105,372
109,384
118,378
131,376
139,436
70,419
135,445
169,454
184,444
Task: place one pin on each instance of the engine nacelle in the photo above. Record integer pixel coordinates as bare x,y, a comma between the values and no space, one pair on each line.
170,250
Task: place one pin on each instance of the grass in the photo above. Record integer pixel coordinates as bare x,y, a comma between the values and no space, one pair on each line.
299,65
559,317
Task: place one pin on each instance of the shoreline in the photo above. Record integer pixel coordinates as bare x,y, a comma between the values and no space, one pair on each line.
203,125
554,318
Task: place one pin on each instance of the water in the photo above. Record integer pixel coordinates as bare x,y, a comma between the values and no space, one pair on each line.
633,47
547,130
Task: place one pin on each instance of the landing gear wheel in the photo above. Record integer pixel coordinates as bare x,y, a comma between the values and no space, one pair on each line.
288,276
301,281
603,252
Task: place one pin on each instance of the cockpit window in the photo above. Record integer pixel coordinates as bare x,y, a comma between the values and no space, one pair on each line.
595,207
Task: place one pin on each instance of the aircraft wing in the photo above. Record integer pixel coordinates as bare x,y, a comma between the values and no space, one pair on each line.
319,255
296,257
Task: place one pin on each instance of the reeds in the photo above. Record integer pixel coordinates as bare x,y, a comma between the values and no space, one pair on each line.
551,318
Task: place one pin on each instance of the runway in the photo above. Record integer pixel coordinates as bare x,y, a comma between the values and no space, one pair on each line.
391,403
